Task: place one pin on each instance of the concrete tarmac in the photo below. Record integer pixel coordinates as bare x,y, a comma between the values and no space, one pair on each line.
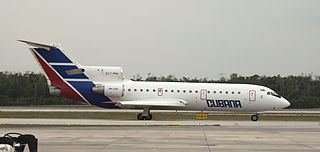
229,136
104,122
97,109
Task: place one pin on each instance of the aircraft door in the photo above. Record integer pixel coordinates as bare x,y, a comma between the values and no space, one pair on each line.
203,94
160,91
252,95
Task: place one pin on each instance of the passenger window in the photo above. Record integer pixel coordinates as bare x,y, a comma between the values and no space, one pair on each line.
172,91
220,91
141,90
196,91
239,92
165,90
178,91
208,91
147,90
135,89
129,89
226,92
190,91
154,90
184,91
232,92
214,92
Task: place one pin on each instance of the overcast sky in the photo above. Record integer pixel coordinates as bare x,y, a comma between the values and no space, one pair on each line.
197,38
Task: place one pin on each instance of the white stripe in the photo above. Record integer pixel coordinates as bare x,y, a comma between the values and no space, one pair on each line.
62,64
77,80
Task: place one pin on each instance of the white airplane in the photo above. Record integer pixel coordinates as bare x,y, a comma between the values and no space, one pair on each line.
106,87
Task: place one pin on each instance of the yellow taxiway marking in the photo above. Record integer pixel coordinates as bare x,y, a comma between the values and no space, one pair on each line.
5,121
176,123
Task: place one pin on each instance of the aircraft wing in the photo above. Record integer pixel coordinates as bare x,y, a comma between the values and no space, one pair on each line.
163,102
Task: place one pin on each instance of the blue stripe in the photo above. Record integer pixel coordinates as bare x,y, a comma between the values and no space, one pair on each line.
61,69
85,87
55,55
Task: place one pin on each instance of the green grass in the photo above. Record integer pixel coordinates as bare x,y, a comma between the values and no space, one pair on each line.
156,116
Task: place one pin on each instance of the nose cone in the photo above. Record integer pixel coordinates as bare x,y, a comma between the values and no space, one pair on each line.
285,103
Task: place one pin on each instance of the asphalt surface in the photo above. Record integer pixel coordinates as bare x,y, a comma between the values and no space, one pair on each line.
180,136
96,109
104,122
158,136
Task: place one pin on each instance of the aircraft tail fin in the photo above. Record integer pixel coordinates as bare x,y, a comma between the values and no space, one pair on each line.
65,76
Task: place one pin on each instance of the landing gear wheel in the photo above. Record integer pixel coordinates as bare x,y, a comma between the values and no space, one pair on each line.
254,117
140,117
145,115
148,117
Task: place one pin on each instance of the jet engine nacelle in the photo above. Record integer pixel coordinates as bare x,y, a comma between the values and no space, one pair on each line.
109,90
104,74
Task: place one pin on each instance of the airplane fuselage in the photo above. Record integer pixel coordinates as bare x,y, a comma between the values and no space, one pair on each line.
205,96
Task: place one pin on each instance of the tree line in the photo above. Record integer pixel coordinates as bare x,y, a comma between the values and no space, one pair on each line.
22,89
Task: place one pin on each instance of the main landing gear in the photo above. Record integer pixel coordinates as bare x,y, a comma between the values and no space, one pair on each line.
145,115
255,117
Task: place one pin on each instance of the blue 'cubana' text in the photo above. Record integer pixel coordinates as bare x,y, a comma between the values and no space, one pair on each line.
224,103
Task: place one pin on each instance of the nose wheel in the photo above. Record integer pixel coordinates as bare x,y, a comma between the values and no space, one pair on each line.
145,115
255,117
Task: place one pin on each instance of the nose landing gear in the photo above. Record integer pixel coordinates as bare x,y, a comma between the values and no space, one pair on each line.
255,117
145,115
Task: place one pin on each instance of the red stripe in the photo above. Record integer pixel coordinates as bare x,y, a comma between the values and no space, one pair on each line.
111,102
66,90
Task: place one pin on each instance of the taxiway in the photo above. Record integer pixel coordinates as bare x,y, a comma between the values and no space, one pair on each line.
180,136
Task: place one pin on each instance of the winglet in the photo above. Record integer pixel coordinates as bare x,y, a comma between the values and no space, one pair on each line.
44,46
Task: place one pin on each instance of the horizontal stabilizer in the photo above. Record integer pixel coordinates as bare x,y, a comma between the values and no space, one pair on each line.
44,46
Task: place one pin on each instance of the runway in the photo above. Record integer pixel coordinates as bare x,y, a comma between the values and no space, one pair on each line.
100,135
97,109
104,122
181,136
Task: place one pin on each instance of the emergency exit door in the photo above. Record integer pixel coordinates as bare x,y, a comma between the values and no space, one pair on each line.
160,91
203,94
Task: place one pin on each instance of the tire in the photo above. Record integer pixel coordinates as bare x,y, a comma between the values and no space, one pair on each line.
254,117
140,117
149,117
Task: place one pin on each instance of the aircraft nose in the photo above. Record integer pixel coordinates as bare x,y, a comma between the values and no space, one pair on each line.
286,103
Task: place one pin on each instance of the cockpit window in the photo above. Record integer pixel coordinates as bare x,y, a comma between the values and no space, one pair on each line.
274,94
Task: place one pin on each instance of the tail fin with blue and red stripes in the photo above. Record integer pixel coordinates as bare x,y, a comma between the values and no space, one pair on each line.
65,76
